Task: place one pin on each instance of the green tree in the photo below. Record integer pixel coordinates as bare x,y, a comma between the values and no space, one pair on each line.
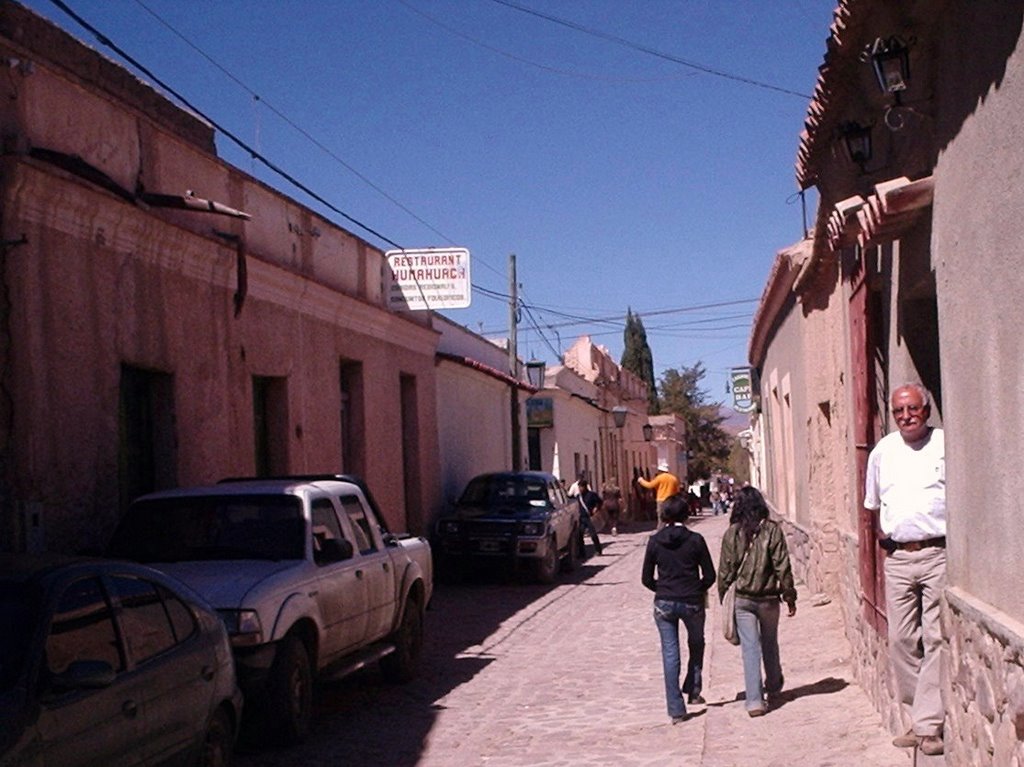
710,445
637,357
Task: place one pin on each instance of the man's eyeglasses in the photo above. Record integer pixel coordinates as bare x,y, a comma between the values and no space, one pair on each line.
908,409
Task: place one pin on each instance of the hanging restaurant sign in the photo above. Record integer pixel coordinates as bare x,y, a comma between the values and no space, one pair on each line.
743,389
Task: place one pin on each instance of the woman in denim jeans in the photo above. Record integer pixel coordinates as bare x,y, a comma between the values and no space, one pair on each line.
755,555
685,572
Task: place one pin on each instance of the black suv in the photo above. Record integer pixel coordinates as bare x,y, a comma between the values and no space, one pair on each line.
516,516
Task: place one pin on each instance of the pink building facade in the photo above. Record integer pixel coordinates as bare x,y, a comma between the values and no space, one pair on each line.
166,319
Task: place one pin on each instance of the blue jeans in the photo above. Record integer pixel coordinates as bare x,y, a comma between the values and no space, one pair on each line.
757,623
667,615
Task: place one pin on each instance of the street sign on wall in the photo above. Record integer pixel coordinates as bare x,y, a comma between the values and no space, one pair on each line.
540,413
429,278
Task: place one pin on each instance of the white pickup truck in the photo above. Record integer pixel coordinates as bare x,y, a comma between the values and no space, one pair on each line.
304,574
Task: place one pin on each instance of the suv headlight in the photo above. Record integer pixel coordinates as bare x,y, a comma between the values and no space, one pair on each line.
531,528
450,527
243,626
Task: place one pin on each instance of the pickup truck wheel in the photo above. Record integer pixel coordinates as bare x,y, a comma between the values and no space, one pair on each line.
547,566
572,555
218,741
290,692
401,665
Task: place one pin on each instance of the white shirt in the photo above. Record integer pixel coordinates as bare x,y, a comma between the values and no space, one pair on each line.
908,484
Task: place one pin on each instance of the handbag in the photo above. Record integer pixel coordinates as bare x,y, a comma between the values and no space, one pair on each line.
729,605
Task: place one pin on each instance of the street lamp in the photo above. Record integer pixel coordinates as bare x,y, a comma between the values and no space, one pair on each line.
619,413
535,370
890,59
857,139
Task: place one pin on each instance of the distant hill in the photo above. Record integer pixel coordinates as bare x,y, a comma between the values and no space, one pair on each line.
734,422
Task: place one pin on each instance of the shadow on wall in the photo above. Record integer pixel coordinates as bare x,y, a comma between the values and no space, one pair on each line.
976,38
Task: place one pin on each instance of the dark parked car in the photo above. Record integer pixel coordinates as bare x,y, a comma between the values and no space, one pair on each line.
110,663
516,516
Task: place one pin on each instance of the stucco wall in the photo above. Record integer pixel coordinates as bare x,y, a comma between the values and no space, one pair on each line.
473,425
976,251
94,277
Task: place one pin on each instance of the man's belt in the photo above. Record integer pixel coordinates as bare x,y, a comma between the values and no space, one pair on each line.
939,542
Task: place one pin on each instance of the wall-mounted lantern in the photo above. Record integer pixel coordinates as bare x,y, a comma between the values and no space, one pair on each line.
648,431
857,140
890,58
619,415
535,370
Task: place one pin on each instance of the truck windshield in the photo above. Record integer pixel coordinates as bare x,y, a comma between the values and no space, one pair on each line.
505,491
210,528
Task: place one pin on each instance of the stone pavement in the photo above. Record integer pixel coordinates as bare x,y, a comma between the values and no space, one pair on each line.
570,676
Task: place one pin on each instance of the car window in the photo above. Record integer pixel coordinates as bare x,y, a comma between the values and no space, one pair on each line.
325,525
19,614
215,527
353,507
146,624
82,628
183,621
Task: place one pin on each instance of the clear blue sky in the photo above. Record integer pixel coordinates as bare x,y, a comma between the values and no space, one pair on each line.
619,178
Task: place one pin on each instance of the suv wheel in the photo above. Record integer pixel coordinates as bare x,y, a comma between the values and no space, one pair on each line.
290,692
547,566
400,666
571,559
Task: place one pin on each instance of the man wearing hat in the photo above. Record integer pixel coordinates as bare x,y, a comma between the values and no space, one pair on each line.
665,484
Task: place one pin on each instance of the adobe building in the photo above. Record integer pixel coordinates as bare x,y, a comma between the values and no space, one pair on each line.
166,319
912,142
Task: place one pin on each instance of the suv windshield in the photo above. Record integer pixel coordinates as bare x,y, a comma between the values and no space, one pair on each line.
498,490
19,603
211,527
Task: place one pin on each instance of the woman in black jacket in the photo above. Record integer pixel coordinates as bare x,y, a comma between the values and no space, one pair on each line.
679,570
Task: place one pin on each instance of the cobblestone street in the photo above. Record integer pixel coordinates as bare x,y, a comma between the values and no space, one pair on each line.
567,676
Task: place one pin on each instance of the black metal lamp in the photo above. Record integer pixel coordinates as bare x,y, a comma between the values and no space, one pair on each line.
890,59
857,139
619,415
535,370
648,431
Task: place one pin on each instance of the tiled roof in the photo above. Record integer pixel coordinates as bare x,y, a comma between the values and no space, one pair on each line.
841,50
788,263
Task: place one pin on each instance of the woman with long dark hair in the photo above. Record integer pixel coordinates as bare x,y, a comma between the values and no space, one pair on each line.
755,556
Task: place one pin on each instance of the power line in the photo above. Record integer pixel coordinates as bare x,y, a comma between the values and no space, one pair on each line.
513,57
650,51
106,41
304,133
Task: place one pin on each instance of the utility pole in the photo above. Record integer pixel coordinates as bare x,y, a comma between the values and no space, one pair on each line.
513,357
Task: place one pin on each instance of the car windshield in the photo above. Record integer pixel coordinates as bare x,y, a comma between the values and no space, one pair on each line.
505,491
19,608
210,528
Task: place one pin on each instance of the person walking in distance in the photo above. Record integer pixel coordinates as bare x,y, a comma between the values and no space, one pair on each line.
589,502
678,569
906,484
755,555
611,502
665,484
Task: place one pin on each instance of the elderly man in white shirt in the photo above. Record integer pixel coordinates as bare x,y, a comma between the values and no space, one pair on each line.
906,483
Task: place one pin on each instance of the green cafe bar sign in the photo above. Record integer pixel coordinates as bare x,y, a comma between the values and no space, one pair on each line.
743,389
